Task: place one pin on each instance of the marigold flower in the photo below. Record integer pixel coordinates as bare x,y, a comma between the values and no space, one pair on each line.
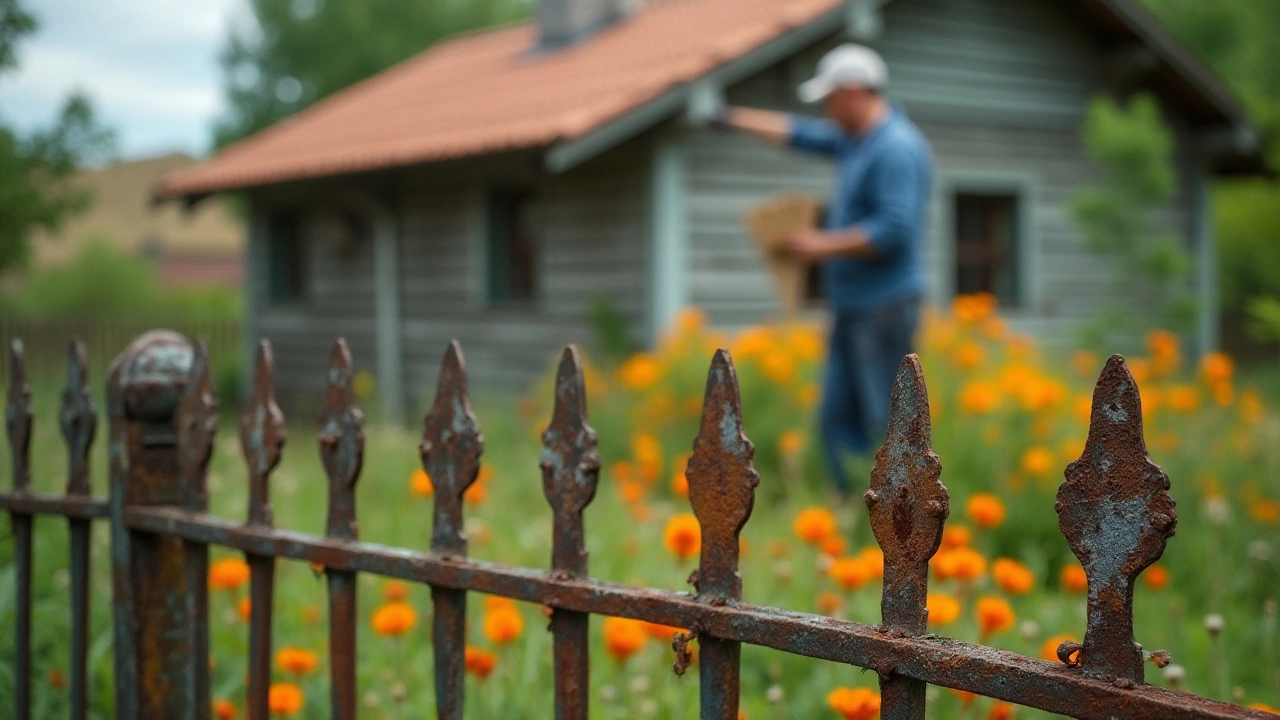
285,699
1252,411
394,590
751,342
640,372
1072,449
310,614
660,632
1223,394
979,398
479,662
791,442
1156,576
623,637
224,710
1184,398
1074,578
807,343
1049,650
1012,576
1264,708
1039,461
1217,368
1002,711
969,355
57,679
985,510
1265,510
850,573
943,609
646,448
829,603
854,703
683,536
680,484
994,615
873,557
1082,408
833,545
296,660
972,308
778,366
814,524
1084,362
228,574
690,320
244,608
394,619
955,536
420,483
475,494
631,492
503,624
965,564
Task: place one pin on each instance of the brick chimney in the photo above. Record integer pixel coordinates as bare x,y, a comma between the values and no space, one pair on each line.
565,22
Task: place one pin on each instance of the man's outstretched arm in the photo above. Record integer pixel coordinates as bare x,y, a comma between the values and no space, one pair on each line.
772,127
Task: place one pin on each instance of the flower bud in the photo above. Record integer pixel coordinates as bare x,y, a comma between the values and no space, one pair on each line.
1174,675
1213,624
774,694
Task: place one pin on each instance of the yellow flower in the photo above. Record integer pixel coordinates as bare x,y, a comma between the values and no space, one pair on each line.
296,661
979,398
228,574
943,609
791,442
394,619
778,367
814,524
640,372
807,344
1072,449
683,536
751,342
1038,461
285,699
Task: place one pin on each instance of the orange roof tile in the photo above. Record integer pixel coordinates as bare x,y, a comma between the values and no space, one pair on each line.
490,92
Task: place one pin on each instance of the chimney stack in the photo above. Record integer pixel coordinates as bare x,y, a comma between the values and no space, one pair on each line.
565,22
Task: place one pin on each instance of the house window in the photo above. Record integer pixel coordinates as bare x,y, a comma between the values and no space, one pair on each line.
986,256
512,245
286,257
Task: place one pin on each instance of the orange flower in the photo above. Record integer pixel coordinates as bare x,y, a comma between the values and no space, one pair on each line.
943,609
972,308
969,355
1072,449
778,367
640,372
1140,369
791,442
1217,368
224,709
228,574
57,679
1084,362
963,563
873,558
979,398
475,494
850,573
833,545
994,615
503,624
395,590
1012,576
1265,510
1264,708
420,482
1002,711
985,510
1165,354
647,449
296,660
1156,576
1074,578
243,608
1252,411
956,536
814,524
1184,398
660,632
683,536
310,614
623,637
829,603
394,619
285,699
854,703
1049,650
966,697
480,662
680,484
1039,461
808,395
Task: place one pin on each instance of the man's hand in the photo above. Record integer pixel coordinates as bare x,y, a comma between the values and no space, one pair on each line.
809,246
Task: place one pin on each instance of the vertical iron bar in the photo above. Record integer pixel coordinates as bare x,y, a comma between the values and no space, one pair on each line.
78,419
261,438
341,439
451,447
570,473
722,482
908,506
18,417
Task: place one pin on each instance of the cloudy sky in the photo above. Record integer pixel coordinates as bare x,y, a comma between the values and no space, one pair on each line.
150,67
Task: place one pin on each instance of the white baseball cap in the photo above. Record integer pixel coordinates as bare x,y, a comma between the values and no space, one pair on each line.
846,66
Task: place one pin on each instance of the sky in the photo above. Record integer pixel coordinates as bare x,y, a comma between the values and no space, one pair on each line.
150,68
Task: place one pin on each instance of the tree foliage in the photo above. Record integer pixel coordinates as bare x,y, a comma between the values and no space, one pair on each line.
299,51
35,170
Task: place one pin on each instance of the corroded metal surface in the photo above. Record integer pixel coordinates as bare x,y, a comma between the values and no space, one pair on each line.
78,419
450,449
262,437
570,472
341,439
908,506
722,483
1117,515
17,420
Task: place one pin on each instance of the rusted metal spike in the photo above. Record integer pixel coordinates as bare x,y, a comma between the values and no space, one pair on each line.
17,417
262,435
570,466
341,439
1117,515
907,503
722,482
197,423
451,447
78,419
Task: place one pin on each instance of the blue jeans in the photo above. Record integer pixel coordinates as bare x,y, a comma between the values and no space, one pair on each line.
864,353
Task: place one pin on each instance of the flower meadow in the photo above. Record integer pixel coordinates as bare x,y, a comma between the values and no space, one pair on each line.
1007,418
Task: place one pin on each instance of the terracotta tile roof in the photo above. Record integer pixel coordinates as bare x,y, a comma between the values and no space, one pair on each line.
487,92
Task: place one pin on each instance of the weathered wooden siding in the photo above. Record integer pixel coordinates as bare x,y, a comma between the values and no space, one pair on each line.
999,88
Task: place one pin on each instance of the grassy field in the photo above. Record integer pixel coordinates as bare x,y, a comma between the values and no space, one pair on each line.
1005,423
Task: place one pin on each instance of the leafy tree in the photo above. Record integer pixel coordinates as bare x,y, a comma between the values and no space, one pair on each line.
300,51
35,171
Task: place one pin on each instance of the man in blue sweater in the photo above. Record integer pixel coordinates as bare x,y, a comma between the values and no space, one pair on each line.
871,248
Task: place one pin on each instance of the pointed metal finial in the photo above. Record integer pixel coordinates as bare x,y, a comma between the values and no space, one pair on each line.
262,435
18,416
1117,515
451,447
78,419
341,439
197,423
570,465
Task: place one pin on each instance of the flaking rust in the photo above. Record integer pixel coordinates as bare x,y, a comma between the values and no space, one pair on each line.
262,435
1117,515
450,449
341,440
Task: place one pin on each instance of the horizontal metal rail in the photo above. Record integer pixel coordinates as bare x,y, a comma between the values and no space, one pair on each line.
68,506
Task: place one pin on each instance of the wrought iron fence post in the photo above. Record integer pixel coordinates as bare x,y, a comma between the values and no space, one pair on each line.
158,672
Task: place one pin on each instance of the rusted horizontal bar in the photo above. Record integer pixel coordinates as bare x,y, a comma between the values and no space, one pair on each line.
71,506
986,671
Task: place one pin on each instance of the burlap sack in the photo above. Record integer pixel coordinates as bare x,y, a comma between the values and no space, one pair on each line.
771,223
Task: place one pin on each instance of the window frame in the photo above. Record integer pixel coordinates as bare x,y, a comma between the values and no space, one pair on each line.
492,193
300,258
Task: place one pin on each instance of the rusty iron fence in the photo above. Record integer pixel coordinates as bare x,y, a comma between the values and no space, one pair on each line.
1114,510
